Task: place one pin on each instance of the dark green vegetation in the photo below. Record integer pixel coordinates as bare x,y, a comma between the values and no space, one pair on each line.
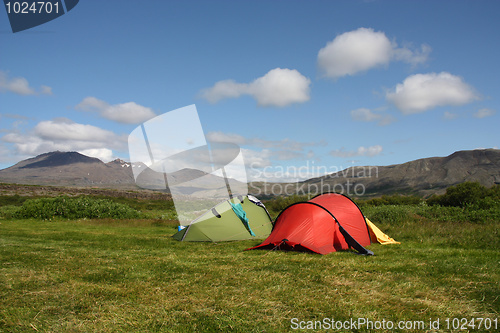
74,208
468,194
129,275
84,207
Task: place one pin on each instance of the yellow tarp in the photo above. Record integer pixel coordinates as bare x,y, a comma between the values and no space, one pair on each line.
377,236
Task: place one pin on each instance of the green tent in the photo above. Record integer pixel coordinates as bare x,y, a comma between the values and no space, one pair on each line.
242,217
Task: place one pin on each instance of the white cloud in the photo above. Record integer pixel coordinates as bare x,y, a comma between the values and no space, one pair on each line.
104,154
364,114
257,159
483,113
260,167
267,159
361,151
285,144
46,90
224,89
278,87
367,115
362,49
227,137
450,115
5,155
63,129
413,57
65,135
421,92
20,86
127,113
260,160
285,155
92,104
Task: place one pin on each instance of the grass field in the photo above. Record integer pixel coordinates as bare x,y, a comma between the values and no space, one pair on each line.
129,275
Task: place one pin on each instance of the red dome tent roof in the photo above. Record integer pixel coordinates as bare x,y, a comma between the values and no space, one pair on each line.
327,223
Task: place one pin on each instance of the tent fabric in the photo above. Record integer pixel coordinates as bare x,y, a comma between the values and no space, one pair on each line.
377,236
258,203
221,223
242,215
327,223
347,213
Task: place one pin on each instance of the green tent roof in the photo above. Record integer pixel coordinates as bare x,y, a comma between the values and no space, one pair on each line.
221,223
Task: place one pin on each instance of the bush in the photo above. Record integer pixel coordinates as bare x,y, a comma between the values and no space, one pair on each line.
276,205
399,215
394,199
463,195
494,192
11,200
74,208
396,215
8,211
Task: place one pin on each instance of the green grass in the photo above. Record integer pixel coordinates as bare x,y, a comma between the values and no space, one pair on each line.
85,277
108,275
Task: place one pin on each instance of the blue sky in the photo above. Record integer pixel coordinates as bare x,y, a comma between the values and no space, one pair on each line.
326,84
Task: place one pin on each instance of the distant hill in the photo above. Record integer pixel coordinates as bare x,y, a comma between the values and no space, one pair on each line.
56,159
69,169
422,177
73,169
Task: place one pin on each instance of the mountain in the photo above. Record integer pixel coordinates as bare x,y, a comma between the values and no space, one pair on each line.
73,169
422,177
69,169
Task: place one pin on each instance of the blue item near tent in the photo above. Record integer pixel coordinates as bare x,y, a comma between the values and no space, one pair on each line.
238,210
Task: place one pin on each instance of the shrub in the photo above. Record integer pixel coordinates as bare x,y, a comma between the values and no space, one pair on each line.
389,214
11,200
394,199
494,192
461,195
279,203
74,208
8,211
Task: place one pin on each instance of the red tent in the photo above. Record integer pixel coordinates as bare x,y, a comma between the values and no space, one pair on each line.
327,223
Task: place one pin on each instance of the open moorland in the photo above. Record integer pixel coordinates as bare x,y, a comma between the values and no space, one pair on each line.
112,266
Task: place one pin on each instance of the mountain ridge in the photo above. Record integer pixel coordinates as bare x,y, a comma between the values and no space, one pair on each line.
423,176
59,158
69,169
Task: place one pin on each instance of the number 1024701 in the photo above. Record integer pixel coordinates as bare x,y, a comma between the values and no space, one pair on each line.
35,7
471,324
